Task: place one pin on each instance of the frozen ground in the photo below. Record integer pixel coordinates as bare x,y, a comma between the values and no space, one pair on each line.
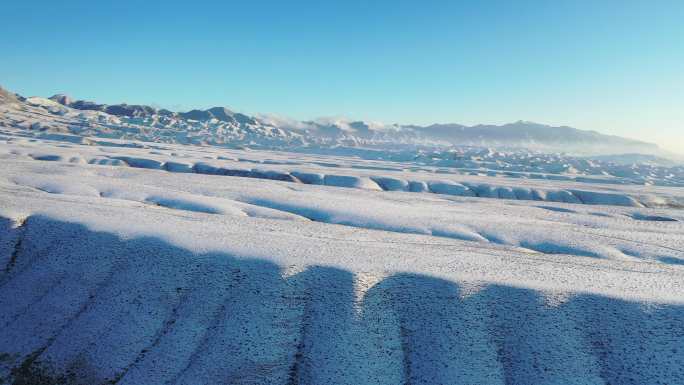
139,263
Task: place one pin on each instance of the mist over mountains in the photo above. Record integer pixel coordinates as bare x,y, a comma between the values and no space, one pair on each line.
221,126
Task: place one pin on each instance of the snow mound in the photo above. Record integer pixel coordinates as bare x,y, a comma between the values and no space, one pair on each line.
350,181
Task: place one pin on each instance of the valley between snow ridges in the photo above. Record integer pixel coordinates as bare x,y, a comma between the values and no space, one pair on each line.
129,275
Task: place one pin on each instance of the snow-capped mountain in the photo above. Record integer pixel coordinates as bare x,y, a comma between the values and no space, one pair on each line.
535,135
221,126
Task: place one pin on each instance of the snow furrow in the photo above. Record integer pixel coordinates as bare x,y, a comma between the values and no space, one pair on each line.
386,183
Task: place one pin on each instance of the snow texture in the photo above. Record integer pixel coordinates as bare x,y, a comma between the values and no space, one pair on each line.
142,263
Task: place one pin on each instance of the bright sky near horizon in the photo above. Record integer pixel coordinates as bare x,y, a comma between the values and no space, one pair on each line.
608,65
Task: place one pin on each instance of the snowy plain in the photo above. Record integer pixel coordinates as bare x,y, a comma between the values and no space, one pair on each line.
146,263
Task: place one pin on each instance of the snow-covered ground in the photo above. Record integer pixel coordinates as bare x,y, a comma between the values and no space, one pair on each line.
517,150
146,263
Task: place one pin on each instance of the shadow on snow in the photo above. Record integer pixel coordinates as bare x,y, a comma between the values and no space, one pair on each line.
80,306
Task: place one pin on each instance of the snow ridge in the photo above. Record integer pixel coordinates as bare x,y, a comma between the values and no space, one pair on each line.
305,328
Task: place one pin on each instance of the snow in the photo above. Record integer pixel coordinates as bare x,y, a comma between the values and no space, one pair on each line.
479,150
350,181
450,188
163,263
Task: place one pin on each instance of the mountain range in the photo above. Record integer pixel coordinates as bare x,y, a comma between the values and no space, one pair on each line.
221,126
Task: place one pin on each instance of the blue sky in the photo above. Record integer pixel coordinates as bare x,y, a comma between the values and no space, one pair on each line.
613,66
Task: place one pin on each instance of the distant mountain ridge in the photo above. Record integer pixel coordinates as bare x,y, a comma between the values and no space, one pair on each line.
221,126
523,132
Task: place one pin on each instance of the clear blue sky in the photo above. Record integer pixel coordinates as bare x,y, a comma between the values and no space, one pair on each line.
614,66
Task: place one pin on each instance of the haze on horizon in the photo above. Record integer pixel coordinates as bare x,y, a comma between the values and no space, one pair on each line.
616,67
